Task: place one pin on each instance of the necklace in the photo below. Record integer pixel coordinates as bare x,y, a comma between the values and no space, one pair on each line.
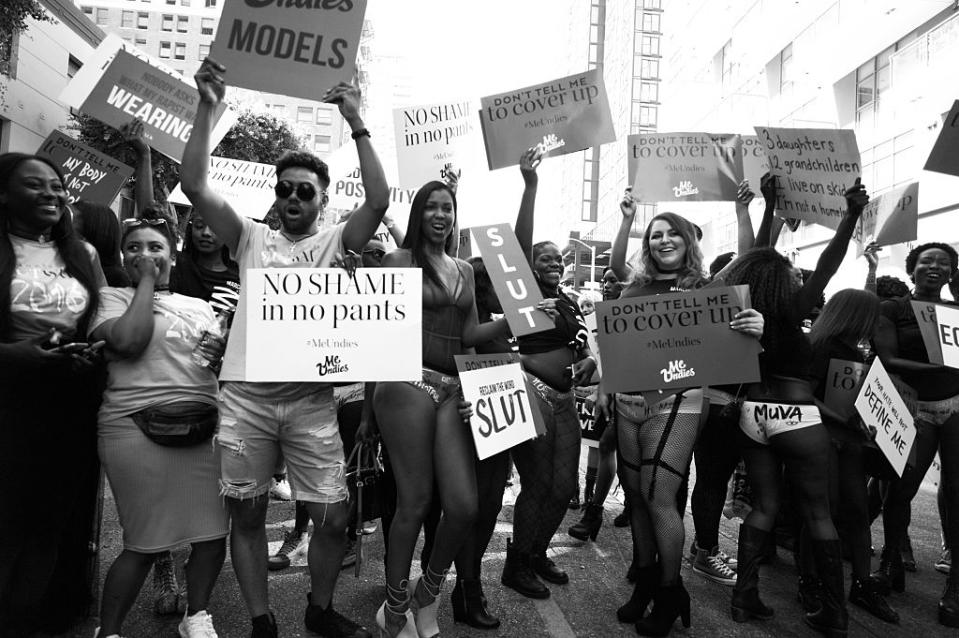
42,238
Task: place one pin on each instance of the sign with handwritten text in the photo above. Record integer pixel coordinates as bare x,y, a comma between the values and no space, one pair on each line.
88,174
684,167
502,414
470,362
884,411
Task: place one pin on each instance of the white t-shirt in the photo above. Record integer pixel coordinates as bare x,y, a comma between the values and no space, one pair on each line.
260,247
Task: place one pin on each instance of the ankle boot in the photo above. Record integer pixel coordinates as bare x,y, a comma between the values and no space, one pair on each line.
647,582
949,603
891,575
544,567
669,603
865,594
518,574
831,620
745,602
589,526
469,604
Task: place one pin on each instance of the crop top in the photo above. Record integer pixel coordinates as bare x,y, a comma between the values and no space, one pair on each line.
444,314
569,329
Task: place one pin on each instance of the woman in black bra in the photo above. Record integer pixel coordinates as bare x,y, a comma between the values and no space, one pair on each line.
421,422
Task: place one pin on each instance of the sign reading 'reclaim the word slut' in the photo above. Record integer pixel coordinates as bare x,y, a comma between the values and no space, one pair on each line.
502,414
684,167
882,410
432,136
319,324
676,340
87,173
299,49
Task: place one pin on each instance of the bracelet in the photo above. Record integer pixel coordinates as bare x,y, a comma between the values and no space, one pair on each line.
357,134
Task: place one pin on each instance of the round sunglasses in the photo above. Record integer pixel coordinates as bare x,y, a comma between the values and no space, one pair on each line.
305,191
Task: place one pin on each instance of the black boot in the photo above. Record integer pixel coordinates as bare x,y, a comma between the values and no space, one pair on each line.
469,604
864,593
622,519
589,526
745,603
589,486
832,619
891,575
810,591
518,574
949,603
669,603
544,567
647,582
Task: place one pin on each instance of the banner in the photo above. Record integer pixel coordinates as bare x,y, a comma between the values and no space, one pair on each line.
943,157
684,167
889,219
119,83
470,362
318,324
813,167
927,318
299,49
431,138
247,186
560,117
88,174
843,381
502,414
512,279
947,322
883,410
676,340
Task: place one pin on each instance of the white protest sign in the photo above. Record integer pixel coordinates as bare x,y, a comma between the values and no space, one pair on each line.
890,218
430,137
882,409
318,324
813,169
947,322
247,186
843,381
502,416
346,190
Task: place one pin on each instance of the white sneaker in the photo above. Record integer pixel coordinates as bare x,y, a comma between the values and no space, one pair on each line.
199,625
280,490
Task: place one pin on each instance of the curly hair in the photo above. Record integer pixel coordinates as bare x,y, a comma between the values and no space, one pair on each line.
850,314
913,256
304,159
691,276
413,241
889,287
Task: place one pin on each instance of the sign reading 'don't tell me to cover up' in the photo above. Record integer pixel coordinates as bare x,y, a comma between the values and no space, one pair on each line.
561,116
813,169
676,340
684,167
883,410
299,49
87,173
319,324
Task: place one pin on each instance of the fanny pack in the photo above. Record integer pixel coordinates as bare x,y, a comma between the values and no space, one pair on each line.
181,424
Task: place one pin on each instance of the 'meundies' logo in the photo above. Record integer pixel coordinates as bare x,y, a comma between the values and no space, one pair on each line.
331,365
676,370
685,189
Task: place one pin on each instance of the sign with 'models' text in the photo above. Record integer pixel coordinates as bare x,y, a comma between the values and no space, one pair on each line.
684,167
502,414
88,174
299,49
884,411
320,324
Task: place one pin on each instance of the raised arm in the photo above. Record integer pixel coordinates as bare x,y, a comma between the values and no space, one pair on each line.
524,218
129,334
617,257
143,190
744,196
768,188
195,169
364,221
872,260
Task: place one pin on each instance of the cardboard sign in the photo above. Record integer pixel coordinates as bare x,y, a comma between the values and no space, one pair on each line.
755,162
927,318
88,174
561,116
346,190
318,324
299,49
676,340
685,167
947,329
512,279
943,157
431,138
247,186
502,414
843,381
470,362
882,409
813,167
891,218
119,83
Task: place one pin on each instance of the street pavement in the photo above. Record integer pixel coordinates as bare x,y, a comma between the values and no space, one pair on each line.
586,607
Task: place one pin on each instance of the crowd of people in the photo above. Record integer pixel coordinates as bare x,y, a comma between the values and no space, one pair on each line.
109,357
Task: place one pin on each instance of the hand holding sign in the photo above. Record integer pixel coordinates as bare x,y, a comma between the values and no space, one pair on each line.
628,206
856,198
346,96
528,163
209,81
745,195
134,135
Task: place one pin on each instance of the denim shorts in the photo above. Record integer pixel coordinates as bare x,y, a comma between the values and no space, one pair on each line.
254,431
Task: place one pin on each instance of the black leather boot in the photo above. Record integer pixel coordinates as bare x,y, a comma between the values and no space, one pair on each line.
864,593
647,582
669,603
544,567
746,603
589,526
518,574
469,604
831,620
949,603
891,575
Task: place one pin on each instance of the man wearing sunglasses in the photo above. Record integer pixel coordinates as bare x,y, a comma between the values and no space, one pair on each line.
259,421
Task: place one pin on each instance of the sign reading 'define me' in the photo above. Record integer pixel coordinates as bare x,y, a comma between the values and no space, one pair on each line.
883,410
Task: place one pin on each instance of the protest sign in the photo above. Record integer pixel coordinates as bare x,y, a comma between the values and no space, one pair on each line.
561,116
319,324
883,410
88,174
512,279
684,167
890,218
943,157
119,83
755,163
947,324
843,380
585,399
346,190
502,415
813,169
469,362
676,340
927,318
247,186
432,138
299,49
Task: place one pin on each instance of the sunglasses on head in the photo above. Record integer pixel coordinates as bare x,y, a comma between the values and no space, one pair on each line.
375,252
305,191
136,222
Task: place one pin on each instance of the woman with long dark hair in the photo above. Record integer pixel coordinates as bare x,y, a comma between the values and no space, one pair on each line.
49,291
780,422
204,268
900,346
421,422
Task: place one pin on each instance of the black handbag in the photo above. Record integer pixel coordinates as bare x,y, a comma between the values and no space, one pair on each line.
181,424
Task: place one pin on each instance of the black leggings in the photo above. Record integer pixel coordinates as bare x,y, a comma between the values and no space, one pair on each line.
717,454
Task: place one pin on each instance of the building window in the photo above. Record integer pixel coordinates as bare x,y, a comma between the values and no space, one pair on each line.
206,26
872,81
141,43
88,10
653,4
650,45
165,50
166,23
204,51
184,3
647,116
786,70
324,116
279,110
179,51
171,2
651,22
210,3
103,16
726,66
126,20
649,69
73,65
649,91
321,143
182,22
304,114
143,20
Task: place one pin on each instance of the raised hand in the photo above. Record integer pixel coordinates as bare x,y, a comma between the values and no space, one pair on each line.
871,253
628,205
528,163
745,194
856,198
346,96
767,186
209,81
133,135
